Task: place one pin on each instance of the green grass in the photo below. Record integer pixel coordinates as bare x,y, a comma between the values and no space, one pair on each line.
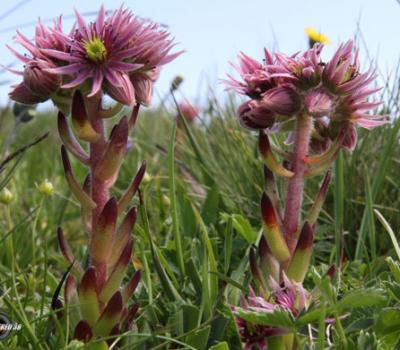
200,217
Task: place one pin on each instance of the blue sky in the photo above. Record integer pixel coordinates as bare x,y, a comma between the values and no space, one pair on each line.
213,31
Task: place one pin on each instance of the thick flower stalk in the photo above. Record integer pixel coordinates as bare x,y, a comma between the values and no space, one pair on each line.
319,104
120,56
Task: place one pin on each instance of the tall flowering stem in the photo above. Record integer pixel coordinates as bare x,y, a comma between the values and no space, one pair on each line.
120,56
319,104
294,197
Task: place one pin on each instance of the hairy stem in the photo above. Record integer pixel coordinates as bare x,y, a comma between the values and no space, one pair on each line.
294,197
99,189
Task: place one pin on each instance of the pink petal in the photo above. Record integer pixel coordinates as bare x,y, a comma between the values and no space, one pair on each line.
97,81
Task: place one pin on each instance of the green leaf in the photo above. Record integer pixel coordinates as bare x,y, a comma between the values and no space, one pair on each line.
389,230
370,215
388,321
199,339
231,281
394,268
210,255
231,334
191,316
360,324
228,245
339,205
361,298
393,289
242,226
309,317
174,206
209,211
220,346
194,276
275,318
378,179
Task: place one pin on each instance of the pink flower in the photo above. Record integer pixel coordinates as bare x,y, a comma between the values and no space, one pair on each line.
38,84
189,112
256,78
111,50
290,296
303,83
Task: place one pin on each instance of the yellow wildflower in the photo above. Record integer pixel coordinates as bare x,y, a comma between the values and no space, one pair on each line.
316,37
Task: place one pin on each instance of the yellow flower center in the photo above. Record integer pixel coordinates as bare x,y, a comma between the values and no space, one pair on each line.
95,50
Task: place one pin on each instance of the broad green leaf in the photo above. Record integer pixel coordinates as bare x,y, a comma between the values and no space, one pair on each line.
388,321
220,346
361,298
360,324
309,317
191,316
199,339
242,226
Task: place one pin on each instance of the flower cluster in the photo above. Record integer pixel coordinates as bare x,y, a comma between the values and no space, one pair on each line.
334,93
320,104
289,296
118,53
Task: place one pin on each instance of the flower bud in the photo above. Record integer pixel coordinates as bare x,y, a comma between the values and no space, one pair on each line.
350,138
282,100
38,80
166,201
22,94
125,93
318,103
146,178
46,187
254,116
143,89
6,196
176,82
